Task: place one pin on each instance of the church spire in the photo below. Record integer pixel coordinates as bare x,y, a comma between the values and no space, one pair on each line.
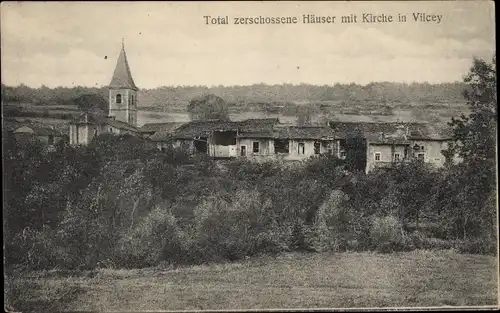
122,77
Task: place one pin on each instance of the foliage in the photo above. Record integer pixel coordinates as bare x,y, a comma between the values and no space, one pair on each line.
333,225
91,101
156,237
474,135
470,212
304,115
272,95
387,233
208,107
355,146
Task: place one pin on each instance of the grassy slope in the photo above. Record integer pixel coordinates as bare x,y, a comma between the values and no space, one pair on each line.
419,278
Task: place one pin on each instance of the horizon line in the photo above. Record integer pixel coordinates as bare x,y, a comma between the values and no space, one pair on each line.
245,85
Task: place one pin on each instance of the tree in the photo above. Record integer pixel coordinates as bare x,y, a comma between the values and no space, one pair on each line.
208,107
91,101
474,135
409,187
304,116
474,141
355,147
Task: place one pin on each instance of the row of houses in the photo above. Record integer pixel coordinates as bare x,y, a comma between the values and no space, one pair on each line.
268,139
260,139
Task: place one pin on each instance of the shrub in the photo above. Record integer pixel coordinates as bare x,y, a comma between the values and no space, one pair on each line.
387,234
331,228
436,244
476,246
418,240
38,248
233,230
157,237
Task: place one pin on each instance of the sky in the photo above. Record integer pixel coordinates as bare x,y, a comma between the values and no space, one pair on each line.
169,44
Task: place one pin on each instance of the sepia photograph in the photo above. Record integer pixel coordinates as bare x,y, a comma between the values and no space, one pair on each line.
249,156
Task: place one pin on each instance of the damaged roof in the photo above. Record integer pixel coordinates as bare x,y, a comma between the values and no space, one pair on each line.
250,128
270,128
31,127
90,118
431,131
390,140
160,127
38,130
423,131
205,128
304,132
257,128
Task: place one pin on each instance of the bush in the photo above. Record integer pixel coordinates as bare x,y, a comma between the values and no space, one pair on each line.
157,237
233,230
38,248
418,240
334,227
387,234
476,246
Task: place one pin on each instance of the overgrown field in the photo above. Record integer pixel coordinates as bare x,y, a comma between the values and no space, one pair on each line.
293,280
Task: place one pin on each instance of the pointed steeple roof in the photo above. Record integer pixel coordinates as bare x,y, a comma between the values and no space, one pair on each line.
122,78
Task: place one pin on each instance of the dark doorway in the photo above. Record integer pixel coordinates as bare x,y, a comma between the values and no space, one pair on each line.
243,151
200,145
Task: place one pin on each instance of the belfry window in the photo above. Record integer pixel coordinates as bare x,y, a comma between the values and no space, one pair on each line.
118,98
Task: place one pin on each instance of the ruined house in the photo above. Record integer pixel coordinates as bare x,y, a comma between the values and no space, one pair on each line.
390,143
268,139
48,136
256,139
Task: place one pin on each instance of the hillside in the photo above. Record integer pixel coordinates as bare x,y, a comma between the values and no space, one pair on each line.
376,102
384,93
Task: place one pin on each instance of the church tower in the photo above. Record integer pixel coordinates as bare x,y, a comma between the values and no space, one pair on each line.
123,92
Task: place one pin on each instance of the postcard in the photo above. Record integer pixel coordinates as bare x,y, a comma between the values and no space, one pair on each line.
272,155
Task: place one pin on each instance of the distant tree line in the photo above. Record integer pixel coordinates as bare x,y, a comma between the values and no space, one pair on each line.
382,92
